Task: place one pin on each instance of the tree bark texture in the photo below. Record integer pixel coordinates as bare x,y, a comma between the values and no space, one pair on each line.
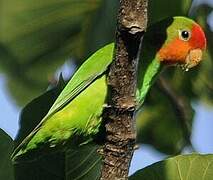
119,115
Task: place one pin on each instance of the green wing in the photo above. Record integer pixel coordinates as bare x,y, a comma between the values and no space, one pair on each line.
90,70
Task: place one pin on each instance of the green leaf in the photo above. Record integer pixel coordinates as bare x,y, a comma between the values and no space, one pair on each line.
159,9
34,111
31,115
182,167
83,163
102,26
41,35
6,147
78,162
49,167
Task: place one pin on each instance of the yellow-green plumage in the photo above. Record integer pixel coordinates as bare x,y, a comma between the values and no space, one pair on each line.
78,109
60,125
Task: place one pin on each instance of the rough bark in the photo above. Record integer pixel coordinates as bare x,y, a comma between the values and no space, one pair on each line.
120,125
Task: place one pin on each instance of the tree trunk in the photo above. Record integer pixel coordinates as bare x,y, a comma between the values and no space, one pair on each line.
119,116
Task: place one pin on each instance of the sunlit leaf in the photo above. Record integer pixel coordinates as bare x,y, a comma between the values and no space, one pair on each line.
183,167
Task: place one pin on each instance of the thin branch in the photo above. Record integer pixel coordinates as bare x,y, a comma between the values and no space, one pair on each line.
119,116
180,106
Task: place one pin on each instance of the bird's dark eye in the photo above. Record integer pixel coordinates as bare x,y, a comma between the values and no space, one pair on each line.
184,35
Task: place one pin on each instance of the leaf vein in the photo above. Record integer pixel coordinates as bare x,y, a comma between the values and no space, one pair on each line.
179,173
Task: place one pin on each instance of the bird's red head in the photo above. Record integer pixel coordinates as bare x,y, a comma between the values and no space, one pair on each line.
198,39
185,44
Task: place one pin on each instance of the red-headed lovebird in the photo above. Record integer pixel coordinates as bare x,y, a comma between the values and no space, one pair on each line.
78,109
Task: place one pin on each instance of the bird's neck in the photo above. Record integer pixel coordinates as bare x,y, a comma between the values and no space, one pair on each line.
147,73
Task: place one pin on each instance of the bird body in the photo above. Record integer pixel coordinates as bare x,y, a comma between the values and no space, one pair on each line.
78,109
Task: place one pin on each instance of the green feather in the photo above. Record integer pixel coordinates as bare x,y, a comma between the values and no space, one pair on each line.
78,109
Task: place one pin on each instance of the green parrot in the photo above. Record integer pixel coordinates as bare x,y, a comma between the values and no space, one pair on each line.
78,109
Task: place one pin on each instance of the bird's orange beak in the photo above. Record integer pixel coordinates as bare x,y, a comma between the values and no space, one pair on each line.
193,58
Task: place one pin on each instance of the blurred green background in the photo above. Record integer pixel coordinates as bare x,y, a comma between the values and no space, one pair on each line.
38,39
